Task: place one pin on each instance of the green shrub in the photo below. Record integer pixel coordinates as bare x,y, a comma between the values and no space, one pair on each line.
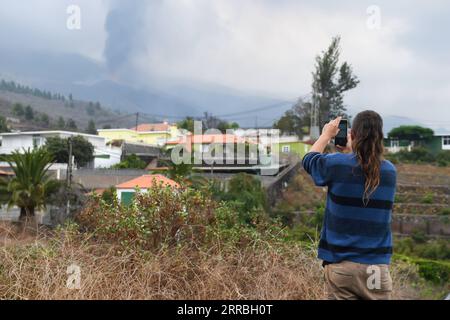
444,211
428,198
436,249
434,271
131,162
443,158
417,154
164,217
419,236
437,272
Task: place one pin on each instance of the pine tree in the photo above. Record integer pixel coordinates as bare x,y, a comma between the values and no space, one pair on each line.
91,129
330,81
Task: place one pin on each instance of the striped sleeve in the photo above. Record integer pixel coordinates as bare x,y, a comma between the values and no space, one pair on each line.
315,164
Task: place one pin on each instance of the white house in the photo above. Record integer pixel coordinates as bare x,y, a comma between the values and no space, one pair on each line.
104,155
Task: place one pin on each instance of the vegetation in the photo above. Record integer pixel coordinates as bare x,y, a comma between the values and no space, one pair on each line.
245,193
420,155
167,245
91,128
291,123
411,133
3,125
208,122
131,161
330,82
31,186
82,150
18,88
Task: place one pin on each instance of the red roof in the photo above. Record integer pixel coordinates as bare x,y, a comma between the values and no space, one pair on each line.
6,173
209,138
147,181
145,127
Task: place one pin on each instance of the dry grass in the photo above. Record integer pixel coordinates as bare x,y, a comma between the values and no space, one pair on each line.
36,269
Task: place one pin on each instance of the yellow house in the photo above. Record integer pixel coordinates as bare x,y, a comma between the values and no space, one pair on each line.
149,133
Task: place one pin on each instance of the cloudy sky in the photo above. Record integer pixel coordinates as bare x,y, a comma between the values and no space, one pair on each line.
398,49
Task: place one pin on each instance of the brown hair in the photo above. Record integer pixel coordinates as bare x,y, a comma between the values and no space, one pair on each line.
367,144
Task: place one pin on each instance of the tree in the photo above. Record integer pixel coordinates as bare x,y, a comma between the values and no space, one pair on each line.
18,110
330,81
91,129
3,124
131,162
187,124
411,133
90,110
71,125
31,186
61,123
29,113
44,119
179,172
289,123
247,193
82,150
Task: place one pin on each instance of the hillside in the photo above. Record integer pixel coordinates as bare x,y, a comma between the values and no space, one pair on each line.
81,112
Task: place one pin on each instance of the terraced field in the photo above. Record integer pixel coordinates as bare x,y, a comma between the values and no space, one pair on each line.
422,202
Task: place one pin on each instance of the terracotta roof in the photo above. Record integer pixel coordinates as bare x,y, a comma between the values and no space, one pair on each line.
209,138
147,181
152,127
6,173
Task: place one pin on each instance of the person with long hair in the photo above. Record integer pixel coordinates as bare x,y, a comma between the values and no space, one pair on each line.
356,240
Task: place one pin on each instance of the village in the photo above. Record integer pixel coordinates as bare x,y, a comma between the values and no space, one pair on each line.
222,150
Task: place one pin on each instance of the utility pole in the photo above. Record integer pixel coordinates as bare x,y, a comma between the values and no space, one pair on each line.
69,175
314,131
137,120
257,142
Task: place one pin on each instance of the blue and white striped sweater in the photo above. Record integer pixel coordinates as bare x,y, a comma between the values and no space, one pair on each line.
351,230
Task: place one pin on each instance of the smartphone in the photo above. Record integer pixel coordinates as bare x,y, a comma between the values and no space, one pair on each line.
341,137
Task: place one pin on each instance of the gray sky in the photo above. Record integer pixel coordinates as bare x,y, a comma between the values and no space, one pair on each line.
259,46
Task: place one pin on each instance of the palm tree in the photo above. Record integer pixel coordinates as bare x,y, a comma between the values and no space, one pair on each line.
31,185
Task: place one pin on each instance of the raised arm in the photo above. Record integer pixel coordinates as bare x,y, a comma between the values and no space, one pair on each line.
330,130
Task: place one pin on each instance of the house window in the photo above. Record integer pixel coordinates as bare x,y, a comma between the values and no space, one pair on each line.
286,149
446,143
37,141
446,140
395,143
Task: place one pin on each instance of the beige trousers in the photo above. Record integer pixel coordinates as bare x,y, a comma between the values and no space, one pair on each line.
353,281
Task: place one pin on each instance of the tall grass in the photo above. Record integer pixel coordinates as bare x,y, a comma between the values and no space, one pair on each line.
36,269
168,245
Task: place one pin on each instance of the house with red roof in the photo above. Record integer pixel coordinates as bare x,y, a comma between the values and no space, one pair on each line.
127,190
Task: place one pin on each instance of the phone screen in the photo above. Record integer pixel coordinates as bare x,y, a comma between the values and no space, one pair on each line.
341,137
342,129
